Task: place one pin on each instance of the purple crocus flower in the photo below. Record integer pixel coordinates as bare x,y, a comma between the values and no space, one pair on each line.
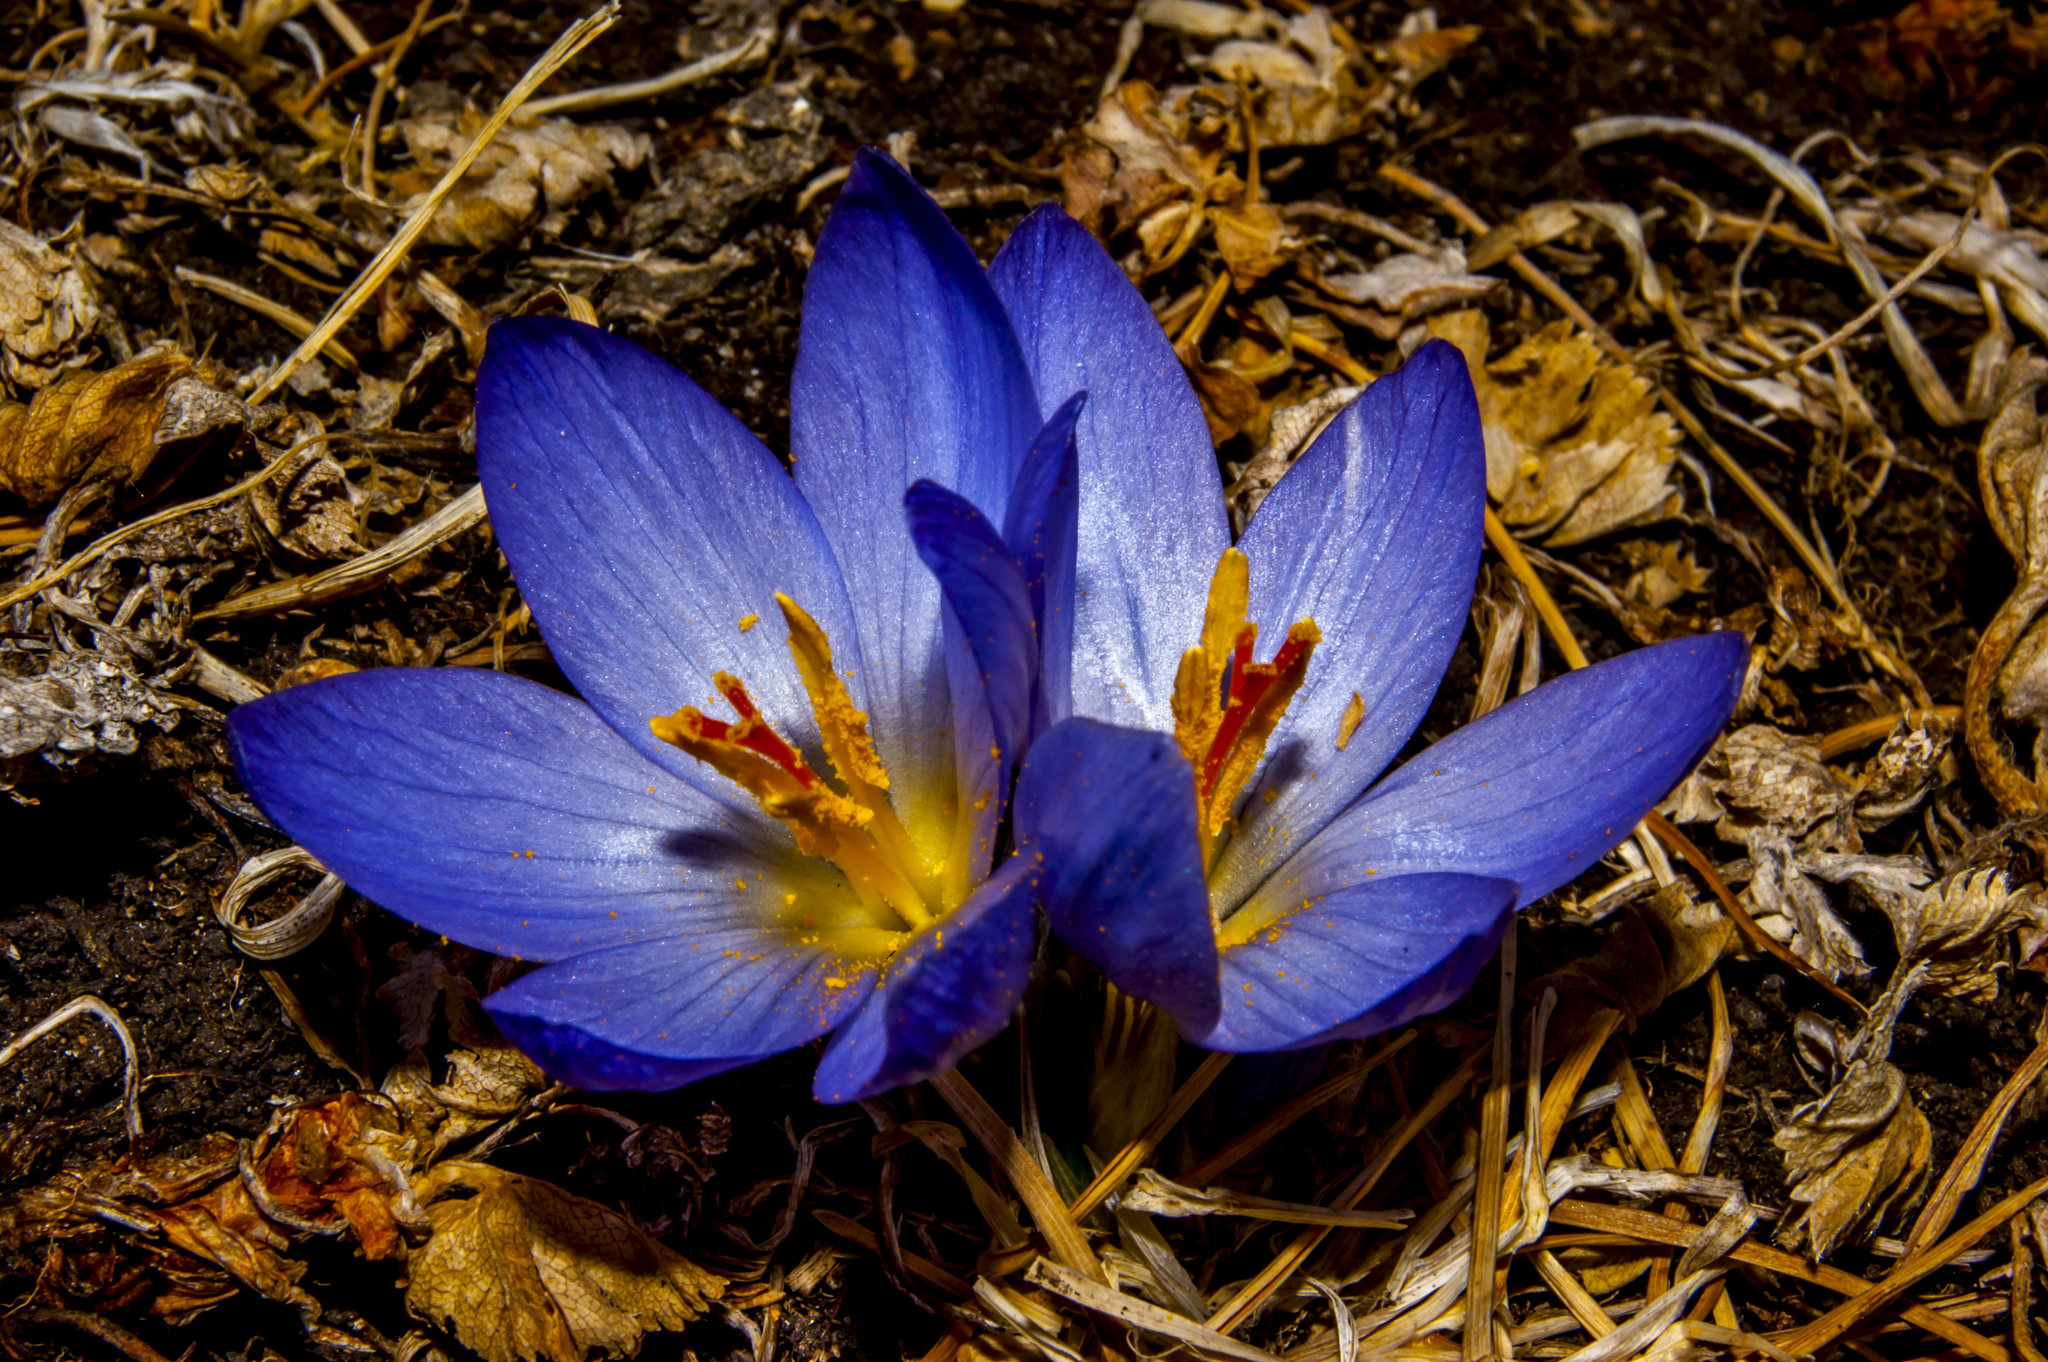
1207,826
772,815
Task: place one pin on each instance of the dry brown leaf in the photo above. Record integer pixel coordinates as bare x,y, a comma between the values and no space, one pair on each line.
84,425
309,507
1962,929
1387,297
1575,444
1531,227
224,1227
531,175
1864,1150
1253,239
1420,49
523,1270
415,991
47,308
230,183
1229,402
1305,89
1666,943
1136,155
1204,19
1664,572
326,1160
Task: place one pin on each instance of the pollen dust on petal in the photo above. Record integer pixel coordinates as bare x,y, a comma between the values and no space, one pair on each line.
1347,723
748,621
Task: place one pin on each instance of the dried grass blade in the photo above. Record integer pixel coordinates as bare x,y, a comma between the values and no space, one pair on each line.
1260,1288
1967,1167
2021,1307
1155,1195
574,40
1928,386
1562,1095
1252,1140
357,574
85,557
1488,1191
926,1271
1572,1295
1137,1151
753,49
1720,1054
131,1072
1138,1314
1007,1152
1812,1337
1510,551
270,310
1655,1229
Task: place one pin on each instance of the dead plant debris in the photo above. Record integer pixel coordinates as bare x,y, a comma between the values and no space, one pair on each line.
1754,1068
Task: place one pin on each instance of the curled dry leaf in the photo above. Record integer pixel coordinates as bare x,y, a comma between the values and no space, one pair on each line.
1664,572
47,308
1962,929
1759,778
1138,154
1386,298
530,175
308,507
1305,87
1144,149
1802,821
1575,444
521,1270
1863,1151
1253,239
223,1226
90,425
341,1158
1662,945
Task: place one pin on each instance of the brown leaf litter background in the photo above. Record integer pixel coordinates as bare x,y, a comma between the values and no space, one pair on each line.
1754,302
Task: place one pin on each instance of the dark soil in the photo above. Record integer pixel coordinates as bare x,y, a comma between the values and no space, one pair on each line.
112,867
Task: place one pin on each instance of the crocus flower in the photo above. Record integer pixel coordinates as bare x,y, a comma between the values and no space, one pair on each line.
772,814
1208,826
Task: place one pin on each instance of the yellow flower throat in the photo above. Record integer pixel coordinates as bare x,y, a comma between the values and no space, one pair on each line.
858,831
1225,708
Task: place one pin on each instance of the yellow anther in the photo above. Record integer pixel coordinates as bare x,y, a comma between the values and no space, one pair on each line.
1226,706
857,830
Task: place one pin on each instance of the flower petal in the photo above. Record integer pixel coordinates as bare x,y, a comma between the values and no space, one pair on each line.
646,526
950,990
1359,960
1538,790
1041,530
1375,533
658,1014
1109,815
984,585
907,369
1152,522
505,815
